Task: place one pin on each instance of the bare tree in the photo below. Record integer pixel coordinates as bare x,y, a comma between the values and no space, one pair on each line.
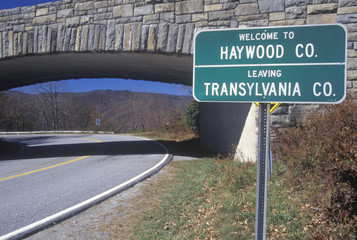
49,103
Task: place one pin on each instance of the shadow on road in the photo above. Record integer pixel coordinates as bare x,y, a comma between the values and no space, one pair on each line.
31,149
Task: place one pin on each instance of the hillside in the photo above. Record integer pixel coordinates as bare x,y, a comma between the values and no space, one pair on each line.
119,111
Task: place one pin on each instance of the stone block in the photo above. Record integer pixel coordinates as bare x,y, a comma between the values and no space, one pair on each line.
144,10
103,16
28,9
349,45
167,17
213,7
101,42
151,46
162,38
102,10
351,63
84,38
60,36
271,6
247,1
180,38
72,42
288,22
90,41
48,19
18,43
230,5
183,18
296,12
347,18
136,32
127,37
295,3
4,13
14,11
172,37
352,53
164,7
136,19
24,43
321,18
190,6
144,37
101,4
81,13
347,3
77,43
219,16
252,17
247,9
4,43
19,28
119,34
84,6
352,75
16,17
123,11
150,19
346,10
322,8
72,22
351,37
233,24
110,35
30,40
65,13
29,15
85,20
216,1
199,17
41,12
218,24
276,16
187,42
254,23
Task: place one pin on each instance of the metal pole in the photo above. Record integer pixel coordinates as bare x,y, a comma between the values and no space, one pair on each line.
262,171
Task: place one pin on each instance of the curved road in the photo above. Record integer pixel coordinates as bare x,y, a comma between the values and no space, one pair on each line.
55,172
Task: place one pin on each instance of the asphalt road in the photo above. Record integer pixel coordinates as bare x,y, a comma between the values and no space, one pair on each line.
55,172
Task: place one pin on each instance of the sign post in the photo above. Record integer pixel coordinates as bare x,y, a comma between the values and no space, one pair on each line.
263,166
97,123
294,64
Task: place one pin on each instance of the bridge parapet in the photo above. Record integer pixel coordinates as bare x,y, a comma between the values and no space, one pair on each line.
154,25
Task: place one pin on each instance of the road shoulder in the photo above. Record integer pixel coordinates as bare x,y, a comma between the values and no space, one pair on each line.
113,216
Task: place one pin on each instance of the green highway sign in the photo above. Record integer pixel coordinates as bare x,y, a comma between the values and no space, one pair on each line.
295,64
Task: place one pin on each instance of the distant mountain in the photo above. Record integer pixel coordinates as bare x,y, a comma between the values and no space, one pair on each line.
119,111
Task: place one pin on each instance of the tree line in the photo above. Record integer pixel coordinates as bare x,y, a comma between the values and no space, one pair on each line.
51,107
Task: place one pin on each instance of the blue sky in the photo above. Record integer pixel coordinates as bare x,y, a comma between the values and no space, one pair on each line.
6,4
85,85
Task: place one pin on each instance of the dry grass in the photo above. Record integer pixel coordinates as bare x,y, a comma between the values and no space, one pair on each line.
124,217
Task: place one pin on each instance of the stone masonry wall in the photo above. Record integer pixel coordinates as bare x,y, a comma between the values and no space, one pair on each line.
165,26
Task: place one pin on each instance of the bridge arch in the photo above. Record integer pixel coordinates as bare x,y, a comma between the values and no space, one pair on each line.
22,71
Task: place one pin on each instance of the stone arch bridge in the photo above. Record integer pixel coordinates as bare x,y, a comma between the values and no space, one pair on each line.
149,40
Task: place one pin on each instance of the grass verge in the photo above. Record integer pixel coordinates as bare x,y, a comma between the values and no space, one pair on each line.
215,199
